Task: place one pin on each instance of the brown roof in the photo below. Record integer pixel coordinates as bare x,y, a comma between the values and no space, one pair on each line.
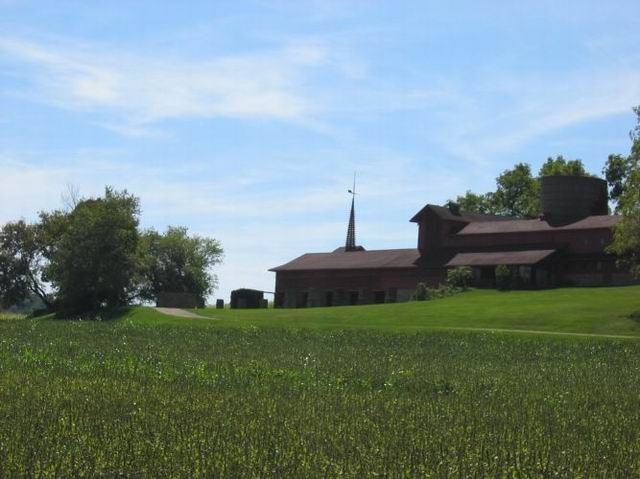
537,225
500,257
376,259
446,214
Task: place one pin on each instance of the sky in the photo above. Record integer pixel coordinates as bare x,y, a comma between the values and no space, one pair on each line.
245,120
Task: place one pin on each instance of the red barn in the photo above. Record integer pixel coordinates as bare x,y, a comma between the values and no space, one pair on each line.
564,246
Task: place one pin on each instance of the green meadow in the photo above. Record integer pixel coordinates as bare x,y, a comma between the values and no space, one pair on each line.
431,389
602,311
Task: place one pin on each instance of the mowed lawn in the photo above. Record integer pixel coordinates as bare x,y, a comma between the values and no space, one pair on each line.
572,310
375,391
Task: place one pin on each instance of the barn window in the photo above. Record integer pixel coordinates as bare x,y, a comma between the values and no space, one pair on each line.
353,297
328,298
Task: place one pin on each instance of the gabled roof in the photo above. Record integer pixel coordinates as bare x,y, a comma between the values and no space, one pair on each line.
537,225
495,258
445,213
375,259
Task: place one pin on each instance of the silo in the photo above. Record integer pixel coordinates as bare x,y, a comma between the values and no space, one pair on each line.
566,199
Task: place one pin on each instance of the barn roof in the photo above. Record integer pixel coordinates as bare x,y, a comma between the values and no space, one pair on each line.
495,258
375,259
537,225
446,213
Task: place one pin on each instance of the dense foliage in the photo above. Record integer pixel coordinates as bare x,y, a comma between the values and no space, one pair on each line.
626,240
94,255
422,292
21,264
90,399
459,277
625,171
517,190
96,259
177,262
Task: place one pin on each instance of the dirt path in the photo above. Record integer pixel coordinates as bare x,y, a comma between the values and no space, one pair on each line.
181,313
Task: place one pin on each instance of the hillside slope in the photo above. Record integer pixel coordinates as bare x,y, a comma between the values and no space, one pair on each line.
605,311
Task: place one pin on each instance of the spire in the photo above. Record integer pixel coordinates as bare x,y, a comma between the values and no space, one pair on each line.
351,230
350,245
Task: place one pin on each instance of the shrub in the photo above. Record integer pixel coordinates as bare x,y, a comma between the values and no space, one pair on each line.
459,278
422,294
503,277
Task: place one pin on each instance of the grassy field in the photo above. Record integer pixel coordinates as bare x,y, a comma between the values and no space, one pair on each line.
340,392
572,310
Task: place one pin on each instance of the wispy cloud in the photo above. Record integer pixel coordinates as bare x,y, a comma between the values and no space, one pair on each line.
146,89
512,111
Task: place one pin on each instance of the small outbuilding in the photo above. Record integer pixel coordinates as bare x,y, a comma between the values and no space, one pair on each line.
181,300
247,299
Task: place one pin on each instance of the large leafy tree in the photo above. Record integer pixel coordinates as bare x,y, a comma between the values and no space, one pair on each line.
94,258
517,190
22,263
619,168
92,255
559,166
178,262
476,203
626,240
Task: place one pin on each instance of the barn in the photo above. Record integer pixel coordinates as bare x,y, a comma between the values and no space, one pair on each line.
565,245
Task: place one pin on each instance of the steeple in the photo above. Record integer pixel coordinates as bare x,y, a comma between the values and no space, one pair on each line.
350,244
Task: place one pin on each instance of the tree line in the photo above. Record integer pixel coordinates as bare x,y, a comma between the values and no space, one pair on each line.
517,190
517,194
94,255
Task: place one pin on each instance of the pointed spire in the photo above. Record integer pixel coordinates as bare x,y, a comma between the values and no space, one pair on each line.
351,230
350,245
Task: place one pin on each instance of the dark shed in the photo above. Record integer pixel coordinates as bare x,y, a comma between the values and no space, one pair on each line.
246,298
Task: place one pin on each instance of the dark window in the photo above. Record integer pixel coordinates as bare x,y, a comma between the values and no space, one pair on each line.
378,297
353,297
303,299
328,298
488,272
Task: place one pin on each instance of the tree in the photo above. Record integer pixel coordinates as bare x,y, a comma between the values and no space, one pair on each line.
618,169
626,238
517,192
475,203
177,262
94,258
561,167
21,264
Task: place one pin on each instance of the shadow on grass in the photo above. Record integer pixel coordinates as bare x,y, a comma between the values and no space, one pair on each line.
109,314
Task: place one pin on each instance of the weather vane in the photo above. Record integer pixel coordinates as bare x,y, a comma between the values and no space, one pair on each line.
353,191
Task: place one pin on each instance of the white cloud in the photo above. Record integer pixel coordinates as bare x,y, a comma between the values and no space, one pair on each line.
511,111
146,89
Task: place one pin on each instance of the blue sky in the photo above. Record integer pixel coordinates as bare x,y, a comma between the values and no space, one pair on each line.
244,121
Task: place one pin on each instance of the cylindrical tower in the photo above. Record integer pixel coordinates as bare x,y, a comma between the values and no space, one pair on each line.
565,199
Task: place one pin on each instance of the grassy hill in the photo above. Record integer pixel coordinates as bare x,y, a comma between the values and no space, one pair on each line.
603,311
